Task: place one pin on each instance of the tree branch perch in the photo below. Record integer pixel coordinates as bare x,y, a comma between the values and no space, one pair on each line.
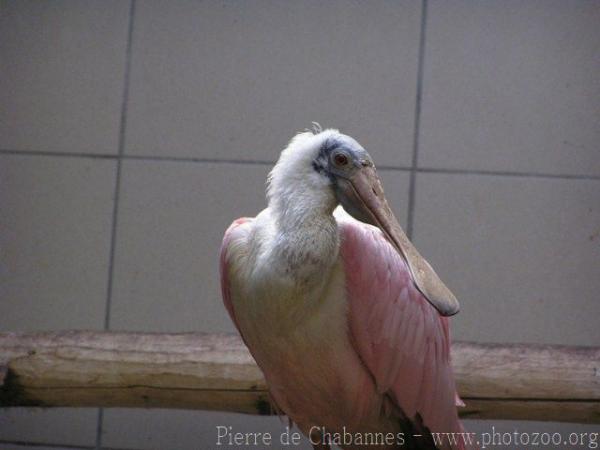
216,372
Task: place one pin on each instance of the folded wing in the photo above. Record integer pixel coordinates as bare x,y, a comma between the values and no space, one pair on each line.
400,337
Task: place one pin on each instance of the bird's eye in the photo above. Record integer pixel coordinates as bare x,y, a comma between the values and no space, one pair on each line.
340,159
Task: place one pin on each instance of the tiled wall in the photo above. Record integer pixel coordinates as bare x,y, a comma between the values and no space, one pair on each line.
132,133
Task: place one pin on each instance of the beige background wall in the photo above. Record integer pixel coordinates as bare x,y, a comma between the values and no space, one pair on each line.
132,133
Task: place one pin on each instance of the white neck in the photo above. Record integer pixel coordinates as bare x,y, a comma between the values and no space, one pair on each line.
301,203
298,204
307,236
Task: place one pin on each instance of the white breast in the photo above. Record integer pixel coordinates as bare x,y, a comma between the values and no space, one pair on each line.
297,330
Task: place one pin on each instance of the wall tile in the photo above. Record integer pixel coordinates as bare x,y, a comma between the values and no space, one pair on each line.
171,222
512,86
183,430
56,225
520,254
63,426
235,81
61,83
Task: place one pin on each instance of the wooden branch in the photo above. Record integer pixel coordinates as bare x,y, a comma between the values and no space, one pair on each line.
216,372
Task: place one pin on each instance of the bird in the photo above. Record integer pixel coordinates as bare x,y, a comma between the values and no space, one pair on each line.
347,321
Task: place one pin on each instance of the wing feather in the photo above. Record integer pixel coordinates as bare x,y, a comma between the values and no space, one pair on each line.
400,337
235,232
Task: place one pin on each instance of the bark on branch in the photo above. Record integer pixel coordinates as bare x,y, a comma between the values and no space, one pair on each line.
216,372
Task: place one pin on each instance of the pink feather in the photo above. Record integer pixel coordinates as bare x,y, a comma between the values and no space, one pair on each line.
401,338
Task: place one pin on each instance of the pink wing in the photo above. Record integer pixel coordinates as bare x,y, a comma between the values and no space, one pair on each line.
400,337
233,232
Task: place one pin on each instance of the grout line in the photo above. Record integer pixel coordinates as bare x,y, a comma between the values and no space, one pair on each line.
201,160
123,123
502,173
116,156
99,426
417,128
117,196
6,151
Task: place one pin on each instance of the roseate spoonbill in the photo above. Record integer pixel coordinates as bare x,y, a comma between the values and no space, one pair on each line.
344,317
